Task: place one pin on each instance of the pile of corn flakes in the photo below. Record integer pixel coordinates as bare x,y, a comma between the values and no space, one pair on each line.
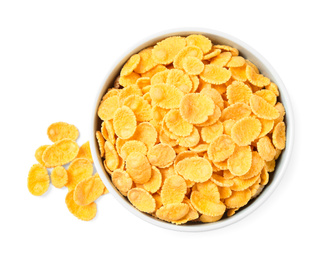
83,187
190,130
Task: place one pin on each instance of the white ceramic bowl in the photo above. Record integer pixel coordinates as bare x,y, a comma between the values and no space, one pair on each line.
247,52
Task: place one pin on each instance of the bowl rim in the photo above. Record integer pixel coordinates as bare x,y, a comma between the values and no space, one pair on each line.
279,173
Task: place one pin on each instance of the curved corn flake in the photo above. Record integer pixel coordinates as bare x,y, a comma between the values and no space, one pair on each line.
150,73
146,61
142,200
60,153
191,215
267,95
166,96
157,198
273,87
279,136
221,181
126,92
173,190
210,133
172,212
227,126
256,193
111,156
143,82
179,149
245,130
270,166
225,192
212,118
256,166
111,92
236,61
165,139
38,180
233,51
212,54
130,65
241,184
165,51
138,167
189,51
215,74
255,78
146,133
155,181
221,165
209,219
85,213
101,142
193,66
214,95
190,141
60,130
238,199
121,180
105,190
147,97
160,77
248,62
279,106
264,176
194,169
140,107
180,80
205,205
108,107
104,131
200,41
159,113
266,126
129,80
238,92
183,155
239,163
176,124
236,111
222,59
228,175
200,148
221,148
124,122
195,108
161,155
39,154
59,177
132,146
78,170
85,152
209,190
266,149
239,73
231,212
110,131
195,80
88,190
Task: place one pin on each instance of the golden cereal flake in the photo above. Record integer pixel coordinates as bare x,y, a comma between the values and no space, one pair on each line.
255,78
146,61
214,95
266,126
111,92
60,130
200,41
266,149
270,166
59,177
200,148
166,96
158,113
221,181
143,82
191,140
88,190
238,92
233,51
242,184
236,61
267,95
146,133
129,80
121,180
38,180
142,200
279,106
183,155
160,77
239,163
39,154
212,54
222,59
208,189
256,166
78,170
189,51
225,192
126,92
165,139
157,198
245,131
111,156
155,181
221,148
161,155
221,165
209,219
130,65
212,118
279,136
264,176
206,205
101,142
172,212
85,152
138,167
239,73
248,62
173,190
105,190
215,74
193,66
133,146
236,111
238,199
210,133
108,107
104,131
110,130
262,108
141,108
154,71
124,122
176,124
179,79
273,87
60,153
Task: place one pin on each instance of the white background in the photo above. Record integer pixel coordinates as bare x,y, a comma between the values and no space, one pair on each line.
53,58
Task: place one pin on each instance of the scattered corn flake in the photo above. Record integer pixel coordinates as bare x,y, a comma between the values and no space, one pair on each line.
157,198
264,176
279,136
60,130
233,51
279,106
245,130
225,192
60,153
273,87
38,180
129,80
132,146
205,205
161,155
255,78
189,51
108,107
214,52
266,126
238,92
154,182
121,180
266,149
239,73
59,177
160,77
221,165
239,163
221,148
200,41
210,133
214,95
105,190
248,62
124,122
257,164
141,108
236,111
143,82
39,154
173,190
130,65
111,156
215,74
126,92
209,190
154,71
176,124
85,152
138,167
222,59
166,96
88,190
221,181
270,165
236,61
238,199
146,133
193,66
191,140
179,79
242,184
172,212
111,92
104,131
267,95
142,200
101,142
208,219
200,148
195,169
212,118
262,108
146,61
78,170
227,126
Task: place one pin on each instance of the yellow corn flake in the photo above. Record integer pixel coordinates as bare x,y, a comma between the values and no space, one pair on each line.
233,51
105,190
147,97
60,153
195,80
78,170
104,131
222,59
101,142
88,190
221,148
236,61
279,106
200,148
176,124
185,154
138,167
231,212
121,180
225,192
270,166
238,199
60,130
146,133
194,169
255,78
39,154
279,136
267,95
266,149
126,92
143,82
273,87
214,95
85,213
85,152
108,107
239,73
180,80
239,163
209,219
191,215
238,92
161,155
179,149
129,80
38,180
214,52
155,181
141,108
256,166
262,108
195,108
130,65
200,41
173,190
278,153
142,200
159,113
210,133
111,156
248,62
212,118
111,92
236,111
146,61
154,71
160,77
264,176
266,126
221,181
165,139
245,130
132,146
157,198
110,130
193,66
228,175
205,205
221,165
191,140
124,122
208,189
173,212
59,177
189,51
165,51
242,184
166,96
227,126
215,74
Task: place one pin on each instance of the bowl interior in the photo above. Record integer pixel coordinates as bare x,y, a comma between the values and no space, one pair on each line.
248,53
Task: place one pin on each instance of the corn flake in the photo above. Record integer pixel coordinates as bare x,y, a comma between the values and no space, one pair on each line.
60,130
108,107
222,59
189,51
101,142
256,166
200,41
88,190
195,169
160,77
85,152
221,181
138,167
266,149
273,87
146,133
208,189
155,181
172,212
154,71
191,140
176,124
180,80
279,136
214,52
239,163
161,155
142,200
111,156
245,130
193,66
39,154
255,78
215,74
238,92
266,126
38,180
264,176
124,122
59,177
238,199
205,205
225,192
130,65
146,61
129,80
121,180
209,219
210,133
166,96
221,148
132,146
236,111
141,108
78,170
173,190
